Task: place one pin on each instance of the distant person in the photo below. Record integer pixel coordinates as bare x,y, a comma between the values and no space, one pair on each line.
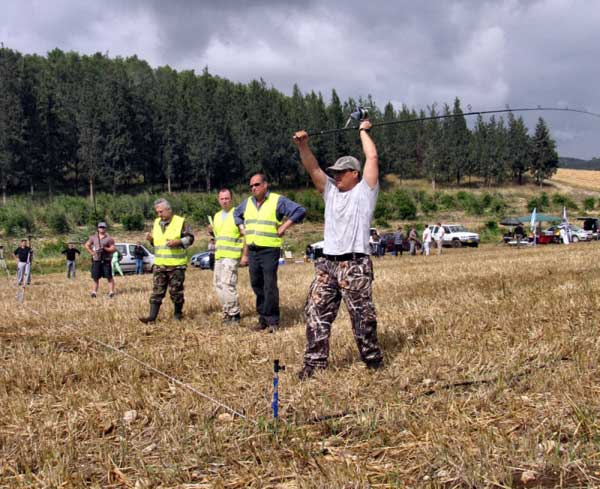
564,233
116,263
228,254
71,253
374,243
101,246
260,218
23,256
427,240
413,240
171,236
382,245
519,233
139,253
439,237
346,271
398,239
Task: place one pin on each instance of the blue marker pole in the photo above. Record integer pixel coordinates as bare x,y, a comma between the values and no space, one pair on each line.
275,404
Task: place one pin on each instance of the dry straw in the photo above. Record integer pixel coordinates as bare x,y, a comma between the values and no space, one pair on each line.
490,381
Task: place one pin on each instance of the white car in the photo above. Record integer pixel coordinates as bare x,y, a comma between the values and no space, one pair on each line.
577,234
128,258
456,236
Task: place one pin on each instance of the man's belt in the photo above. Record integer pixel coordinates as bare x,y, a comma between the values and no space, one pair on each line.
345,257
253,247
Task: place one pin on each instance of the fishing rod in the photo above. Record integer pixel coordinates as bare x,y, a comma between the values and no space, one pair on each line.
361,113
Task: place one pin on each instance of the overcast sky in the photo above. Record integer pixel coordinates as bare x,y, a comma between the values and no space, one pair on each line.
488,53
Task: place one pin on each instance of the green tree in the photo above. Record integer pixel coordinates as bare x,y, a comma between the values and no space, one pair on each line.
12,122
544,159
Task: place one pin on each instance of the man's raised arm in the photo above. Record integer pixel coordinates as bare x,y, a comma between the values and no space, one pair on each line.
309,161
371,169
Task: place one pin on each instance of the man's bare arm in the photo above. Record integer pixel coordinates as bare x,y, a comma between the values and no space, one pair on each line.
309,161
371,170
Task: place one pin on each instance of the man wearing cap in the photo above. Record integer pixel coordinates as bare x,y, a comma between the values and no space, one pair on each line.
101,246
345,271
170,236
260,219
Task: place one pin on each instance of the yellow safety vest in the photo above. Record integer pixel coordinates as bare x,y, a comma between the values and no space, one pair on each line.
163,255
229,243
261,224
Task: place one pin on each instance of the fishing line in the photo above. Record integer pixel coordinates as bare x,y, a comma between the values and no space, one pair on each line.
152,369
361,114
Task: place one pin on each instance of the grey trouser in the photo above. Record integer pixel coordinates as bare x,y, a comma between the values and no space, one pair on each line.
70,268
225,278
23,273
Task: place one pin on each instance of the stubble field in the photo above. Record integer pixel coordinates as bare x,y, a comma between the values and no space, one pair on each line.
491,380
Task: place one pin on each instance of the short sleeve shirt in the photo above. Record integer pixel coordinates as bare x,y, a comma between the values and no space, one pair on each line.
106,241
348,218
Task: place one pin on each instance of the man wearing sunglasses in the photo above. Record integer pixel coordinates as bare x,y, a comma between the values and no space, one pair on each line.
345,271
260,218
101,246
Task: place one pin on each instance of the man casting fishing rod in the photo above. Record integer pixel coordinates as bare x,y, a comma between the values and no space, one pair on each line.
345,271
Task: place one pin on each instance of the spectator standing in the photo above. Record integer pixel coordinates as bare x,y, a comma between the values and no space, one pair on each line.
261,219
101,246
228,254
116,263
345,271
439,237
374,243
413,240
427,240
520,234
71,253
171,236
23,256
382,245
398,238
139,253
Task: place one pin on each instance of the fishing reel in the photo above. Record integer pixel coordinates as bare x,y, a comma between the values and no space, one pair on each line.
359,115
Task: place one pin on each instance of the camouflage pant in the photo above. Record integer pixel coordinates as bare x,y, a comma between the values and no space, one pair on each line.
172,278
334,281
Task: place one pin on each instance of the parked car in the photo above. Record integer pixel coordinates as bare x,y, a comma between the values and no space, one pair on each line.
201,260
577,234
128,257
456,235
315,250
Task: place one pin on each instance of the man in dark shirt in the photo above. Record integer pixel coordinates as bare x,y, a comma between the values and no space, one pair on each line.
23,255
71,253
139,254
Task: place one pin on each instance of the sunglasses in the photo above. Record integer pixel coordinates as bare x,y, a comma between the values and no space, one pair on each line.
252,185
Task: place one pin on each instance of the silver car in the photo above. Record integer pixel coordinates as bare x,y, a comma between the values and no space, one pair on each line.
127,262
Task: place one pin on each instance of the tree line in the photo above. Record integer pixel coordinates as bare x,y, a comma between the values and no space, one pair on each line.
83,124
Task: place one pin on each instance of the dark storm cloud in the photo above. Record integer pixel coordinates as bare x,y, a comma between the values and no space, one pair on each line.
488,53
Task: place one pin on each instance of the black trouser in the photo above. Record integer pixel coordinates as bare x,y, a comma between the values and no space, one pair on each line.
263,264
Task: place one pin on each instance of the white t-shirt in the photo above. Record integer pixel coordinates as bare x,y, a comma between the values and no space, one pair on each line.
427,235
348,218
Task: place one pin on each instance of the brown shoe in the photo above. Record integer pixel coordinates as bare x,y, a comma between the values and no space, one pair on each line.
259,326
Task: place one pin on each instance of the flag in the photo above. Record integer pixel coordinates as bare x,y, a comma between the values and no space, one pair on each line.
533,218
564,215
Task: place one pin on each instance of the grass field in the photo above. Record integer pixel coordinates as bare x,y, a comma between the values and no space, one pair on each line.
491,380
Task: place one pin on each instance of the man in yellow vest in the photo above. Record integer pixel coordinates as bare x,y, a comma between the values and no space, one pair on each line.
260,218
228,252
170,236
